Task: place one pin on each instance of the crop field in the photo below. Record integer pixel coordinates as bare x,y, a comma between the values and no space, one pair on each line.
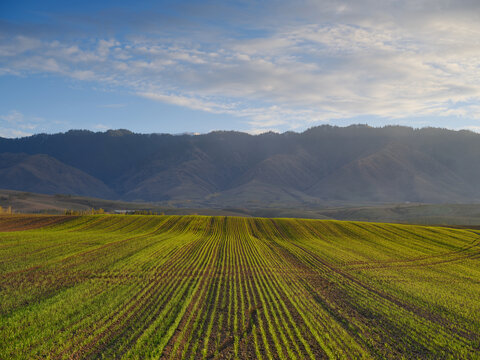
197,287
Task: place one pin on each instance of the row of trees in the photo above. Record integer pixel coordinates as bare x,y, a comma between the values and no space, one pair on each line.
143,212
91,211
7,210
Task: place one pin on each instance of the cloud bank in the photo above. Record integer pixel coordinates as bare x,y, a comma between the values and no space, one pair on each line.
283,65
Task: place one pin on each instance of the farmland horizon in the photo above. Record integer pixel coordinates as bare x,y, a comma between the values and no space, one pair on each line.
210,179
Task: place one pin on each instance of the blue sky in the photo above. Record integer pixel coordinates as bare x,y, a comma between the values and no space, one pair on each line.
197,66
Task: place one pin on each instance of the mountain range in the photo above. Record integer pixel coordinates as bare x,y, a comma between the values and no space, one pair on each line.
324,164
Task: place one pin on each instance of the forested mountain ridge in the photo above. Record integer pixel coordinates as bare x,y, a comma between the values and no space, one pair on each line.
224,168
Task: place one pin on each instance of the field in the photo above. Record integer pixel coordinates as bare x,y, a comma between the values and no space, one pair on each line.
197,287
414,213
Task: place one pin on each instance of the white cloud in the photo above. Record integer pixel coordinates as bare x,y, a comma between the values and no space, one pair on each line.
83,75
13,125
13,117
340,60
189,102
20,44
16,124
255,131
101,127
12,133
474,128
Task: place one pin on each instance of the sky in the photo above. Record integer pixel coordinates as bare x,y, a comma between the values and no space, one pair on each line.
254,66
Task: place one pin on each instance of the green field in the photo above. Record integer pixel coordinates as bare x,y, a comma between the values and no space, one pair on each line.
197,287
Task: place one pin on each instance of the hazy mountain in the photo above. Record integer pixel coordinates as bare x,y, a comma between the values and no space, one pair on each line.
323,164
44,174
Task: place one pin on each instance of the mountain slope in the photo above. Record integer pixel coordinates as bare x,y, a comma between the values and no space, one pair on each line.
325,164
394,173
44,174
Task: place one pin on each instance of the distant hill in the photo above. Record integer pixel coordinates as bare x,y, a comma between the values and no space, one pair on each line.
323,165
43,174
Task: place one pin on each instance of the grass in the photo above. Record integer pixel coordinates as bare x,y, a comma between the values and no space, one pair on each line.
197,287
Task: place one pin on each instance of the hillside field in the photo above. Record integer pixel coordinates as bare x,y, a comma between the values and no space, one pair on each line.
199,287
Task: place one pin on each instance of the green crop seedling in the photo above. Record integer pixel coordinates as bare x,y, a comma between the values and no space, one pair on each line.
197,287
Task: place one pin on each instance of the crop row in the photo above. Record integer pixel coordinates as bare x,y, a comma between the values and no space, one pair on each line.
195,287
